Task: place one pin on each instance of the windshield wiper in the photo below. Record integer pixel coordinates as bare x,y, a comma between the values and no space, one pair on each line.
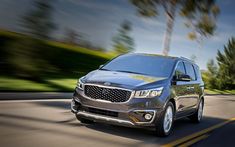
104,69
122,71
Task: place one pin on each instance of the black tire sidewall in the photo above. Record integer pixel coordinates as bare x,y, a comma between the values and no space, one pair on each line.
201,101
194,117
160,123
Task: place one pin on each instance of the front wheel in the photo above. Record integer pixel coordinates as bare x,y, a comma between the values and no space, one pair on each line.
165,122
197,117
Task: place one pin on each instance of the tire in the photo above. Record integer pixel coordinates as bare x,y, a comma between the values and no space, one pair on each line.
197,116
166,116
83,120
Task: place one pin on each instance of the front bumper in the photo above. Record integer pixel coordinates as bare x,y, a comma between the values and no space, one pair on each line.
133,113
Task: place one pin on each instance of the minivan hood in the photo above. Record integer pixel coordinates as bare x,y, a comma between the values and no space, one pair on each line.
121,79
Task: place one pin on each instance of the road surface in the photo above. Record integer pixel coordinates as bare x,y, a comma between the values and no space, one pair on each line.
50,123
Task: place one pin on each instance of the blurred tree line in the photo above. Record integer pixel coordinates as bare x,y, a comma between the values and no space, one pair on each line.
222,76
25,54
30,56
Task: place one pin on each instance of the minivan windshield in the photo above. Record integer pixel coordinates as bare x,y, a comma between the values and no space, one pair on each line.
152,65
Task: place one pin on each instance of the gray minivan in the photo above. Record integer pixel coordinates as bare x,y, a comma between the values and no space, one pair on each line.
141,90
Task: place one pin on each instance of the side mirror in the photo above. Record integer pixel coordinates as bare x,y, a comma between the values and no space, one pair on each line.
183,77
101,66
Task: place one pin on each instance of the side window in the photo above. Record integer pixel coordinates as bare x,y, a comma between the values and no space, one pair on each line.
179,69
198,73
190,71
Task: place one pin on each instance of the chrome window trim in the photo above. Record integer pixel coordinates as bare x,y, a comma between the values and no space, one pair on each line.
176,65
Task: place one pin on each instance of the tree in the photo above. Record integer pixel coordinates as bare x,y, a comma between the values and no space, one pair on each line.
210,76
38,22
200,16
212,68
123,43
26,54
226,63
71,36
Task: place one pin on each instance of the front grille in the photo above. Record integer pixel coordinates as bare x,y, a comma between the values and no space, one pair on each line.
103,112
108,94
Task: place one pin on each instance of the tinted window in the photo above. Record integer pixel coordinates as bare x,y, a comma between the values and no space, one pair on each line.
190,71
142,64
179,69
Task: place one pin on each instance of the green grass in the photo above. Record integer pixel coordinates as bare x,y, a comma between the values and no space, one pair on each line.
216,91
48,85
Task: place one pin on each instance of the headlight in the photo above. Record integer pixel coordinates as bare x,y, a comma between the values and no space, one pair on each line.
80,84
149,93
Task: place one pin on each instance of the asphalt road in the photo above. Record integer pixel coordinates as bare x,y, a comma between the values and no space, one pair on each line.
50,123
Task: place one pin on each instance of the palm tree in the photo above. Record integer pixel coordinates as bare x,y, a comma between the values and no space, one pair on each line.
200,15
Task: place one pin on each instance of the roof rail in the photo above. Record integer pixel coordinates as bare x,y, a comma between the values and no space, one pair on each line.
186,59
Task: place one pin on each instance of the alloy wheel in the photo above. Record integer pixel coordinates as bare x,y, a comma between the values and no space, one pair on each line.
168,119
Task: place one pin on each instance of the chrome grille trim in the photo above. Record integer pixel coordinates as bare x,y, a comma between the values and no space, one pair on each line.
108,87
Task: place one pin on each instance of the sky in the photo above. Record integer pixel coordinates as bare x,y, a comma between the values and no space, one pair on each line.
99,20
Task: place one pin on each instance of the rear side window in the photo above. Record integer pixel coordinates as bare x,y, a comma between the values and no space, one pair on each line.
197,70
190,71
180,70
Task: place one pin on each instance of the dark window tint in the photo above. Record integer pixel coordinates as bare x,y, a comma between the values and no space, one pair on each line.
190,71
180,70
142,64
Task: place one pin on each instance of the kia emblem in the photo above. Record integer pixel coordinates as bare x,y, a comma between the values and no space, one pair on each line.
107,84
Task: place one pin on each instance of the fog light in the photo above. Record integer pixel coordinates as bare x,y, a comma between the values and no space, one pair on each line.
148,116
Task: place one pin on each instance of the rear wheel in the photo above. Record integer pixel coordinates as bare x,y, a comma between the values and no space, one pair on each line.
83,120
165,122
197,117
